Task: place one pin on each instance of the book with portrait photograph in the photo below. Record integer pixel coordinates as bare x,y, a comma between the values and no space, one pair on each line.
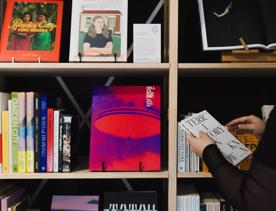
223,22
99,31
32,31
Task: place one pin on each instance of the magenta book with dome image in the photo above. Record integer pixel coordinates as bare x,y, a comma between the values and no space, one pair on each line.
125,128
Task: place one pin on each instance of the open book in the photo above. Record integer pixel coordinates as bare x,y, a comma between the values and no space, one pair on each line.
223,22
232,149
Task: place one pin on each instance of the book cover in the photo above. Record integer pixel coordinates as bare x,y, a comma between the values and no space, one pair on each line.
99,30
30,132
10,137
21,133
77,203
32,30
5,139
14,132
125,123
224,22
232,149
130,200
50,139
43,135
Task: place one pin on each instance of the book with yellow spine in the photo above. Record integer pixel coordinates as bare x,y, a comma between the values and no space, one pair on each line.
5,141
14,131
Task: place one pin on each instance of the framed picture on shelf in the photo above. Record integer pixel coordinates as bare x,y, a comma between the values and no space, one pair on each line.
32,31
99,31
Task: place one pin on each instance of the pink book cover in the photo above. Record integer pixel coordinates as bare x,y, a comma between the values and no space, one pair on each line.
125,129
79,203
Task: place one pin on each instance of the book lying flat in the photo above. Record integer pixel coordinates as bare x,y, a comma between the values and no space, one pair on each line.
232,149
224,22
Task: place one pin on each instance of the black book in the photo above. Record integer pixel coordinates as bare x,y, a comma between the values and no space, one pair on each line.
130,200
224,22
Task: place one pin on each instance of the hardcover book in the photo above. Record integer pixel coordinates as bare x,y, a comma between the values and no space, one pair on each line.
14,134
43,135
130,200
232,149
75,203
125,128
32,31
30,131
99,30
224,22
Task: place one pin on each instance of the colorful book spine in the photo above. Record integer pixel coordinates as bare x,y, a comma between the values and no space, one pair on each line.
43,135
50,139
5,139
56,138
60,143
67,130
30,132
14,132
36,130
21,132
10,135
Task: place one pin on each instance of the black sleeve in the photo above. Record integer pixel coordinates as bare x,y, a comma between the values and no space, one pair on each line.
87,39
267,146
255,190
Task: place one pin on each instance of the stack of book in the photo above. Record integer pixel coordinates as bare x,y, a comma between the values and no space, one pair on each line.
34,136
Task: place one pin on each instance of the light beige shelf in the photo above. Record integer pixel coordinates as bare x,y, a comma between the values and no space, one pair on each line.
195,175
85,174
239,69
82,69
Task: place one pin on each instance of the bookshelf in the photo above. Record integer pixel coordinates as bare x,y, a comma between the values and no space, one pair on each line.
172,70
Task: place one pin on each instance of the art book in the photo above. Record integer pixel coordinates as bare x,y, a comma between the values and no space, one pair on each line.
77,203
125,128
232,149
99,30
32,31
224,22
130,200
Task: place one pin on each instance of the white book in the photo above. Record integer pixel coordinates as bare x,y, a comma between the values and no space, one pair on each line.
56,140
147,43
99,30
266,110
181,148
232,149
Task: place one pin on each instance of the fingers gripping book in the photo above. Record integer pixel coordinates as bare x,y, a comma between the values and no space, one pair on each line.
231,148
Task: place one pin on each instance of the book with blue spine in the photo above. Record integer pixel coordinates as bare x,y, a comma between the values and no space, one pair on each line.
43,135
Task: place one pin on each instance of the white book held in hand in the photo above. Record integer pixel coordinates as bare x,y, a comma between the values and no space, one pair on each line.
232,149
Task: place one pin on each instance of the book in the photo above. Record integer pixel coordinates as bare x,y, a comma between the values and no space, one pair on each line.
50,139
224,22
147,43
4,97
60,141
10,137
130,200
99,30
232,149
32,31
66,139
5,141
21,132
56,141
77,203
19,206
14,118
30,132
43,135
37,106
181,148
12,197
126,123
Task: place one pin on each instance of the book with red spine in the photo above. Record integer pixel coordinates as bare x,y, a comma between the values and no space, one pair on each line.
50,141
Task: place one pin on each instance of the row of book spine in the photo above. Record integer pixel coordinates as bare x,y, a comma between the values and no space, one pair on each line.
189,199
32,134
188,161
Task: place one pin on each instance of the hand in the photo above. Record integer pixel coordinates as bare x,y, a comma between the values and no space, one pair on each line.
250,124
198,144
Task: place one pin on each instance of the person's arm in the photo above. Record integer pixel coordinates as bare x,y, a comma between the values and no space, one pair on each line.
88,51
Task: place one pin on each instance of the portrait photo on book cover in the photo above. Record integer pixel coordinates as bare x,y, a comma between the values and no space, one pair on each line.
33,26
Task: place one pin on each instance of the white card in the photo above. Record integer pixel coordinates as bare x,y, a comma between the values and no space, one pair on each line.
147,43
232,149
